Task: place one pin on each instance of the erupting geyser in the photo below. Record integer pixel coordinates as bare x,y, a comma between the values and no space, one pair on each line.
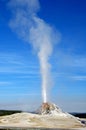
44,54
41,37
36,32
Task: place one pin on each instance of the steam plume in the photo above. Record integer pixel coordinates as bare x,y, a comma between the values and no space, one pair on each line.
37,32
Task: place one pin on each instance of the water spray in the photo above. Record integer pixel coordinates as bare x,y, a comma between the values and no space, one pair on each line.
36,32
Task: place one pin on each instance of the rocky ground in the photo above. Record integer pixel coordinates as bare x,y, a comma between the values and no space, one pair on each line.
50,116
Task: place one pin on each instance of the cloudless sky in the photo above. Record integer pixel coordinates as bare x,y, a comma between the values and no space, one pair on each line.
20,79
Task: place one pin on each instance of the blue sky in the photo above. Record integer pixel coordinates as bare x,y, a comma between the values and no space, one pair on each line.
20,79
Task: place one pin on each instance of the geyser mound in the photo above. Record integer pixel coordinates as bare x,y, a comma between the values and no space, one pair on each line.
49,108
49,116
53,110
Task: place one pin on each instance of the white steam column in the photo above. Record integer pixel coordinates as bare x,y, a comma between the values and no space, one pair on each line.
44,53
41,38
35,31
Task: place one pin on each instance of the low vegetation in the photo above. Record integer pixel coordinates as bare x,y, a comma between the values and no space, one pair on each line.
8,112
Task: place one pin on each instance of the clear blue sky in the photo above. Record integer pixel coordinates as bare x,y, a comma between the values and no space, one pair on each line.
20,79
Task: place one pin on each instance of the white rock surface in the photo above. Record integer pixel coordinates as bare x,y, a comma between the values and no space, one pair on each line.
55,118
